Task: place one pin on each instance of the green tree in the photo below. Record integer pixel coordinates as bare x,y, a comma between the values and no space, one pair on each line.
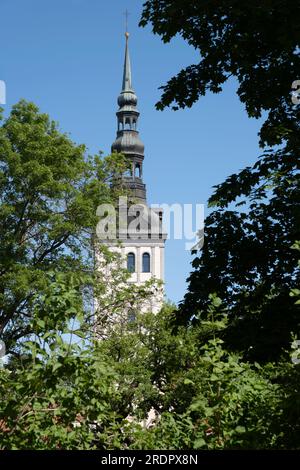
67,391
64,390
58,393
50,190
247,257
255,42
199,394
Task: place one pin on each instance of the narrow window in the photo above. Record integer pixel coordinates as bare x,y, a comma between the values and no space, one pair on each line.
137,172
146,263
131,262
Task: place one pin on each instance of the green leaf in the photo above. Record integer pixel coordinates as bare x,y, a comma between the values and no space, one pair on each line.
240,429
200,442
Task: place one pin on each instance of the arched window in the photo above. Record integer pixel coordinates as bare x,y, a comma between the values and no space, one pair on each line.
137,172
146,263
131,262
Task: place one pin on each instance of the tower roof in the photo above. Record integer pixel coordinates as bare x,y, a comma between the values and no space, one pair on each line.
128,141
127,68
127,100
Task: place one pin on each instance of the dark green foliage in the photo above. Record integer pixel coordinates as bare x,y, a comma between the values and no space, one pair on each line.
247,258
257,42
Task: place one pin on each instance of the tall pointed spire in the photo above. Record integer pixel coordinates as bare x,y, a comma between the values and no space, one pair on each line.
127,96
127,86
128,141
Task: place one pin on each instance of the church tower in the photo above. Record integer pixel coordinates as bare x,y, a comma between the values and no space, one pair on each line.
128,141
141,240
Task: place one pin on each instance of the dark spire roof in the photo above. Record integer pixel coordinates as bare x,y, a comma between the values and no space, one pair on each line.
127,97
127,68
128,141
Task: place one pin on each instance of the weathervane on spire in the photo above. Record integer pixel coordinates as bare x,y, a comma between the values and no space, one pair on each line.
126,14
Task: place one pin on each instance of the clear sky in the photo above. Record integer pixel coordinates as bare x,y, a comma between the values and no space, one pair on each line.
67,57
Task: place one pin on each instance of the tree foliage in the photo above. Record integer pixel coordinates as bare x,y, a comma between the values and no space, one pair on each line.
62,394
255,42
225,377
57,390
50,190
247,258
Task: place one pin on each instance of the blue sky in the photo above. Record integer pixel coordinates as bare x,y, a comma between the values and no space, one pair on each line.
67,57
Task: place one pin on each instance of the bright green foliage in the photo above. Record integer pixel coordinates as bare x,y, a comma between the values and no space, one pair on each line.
54,402
58,392
50,191
66,392
63,391
204,397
